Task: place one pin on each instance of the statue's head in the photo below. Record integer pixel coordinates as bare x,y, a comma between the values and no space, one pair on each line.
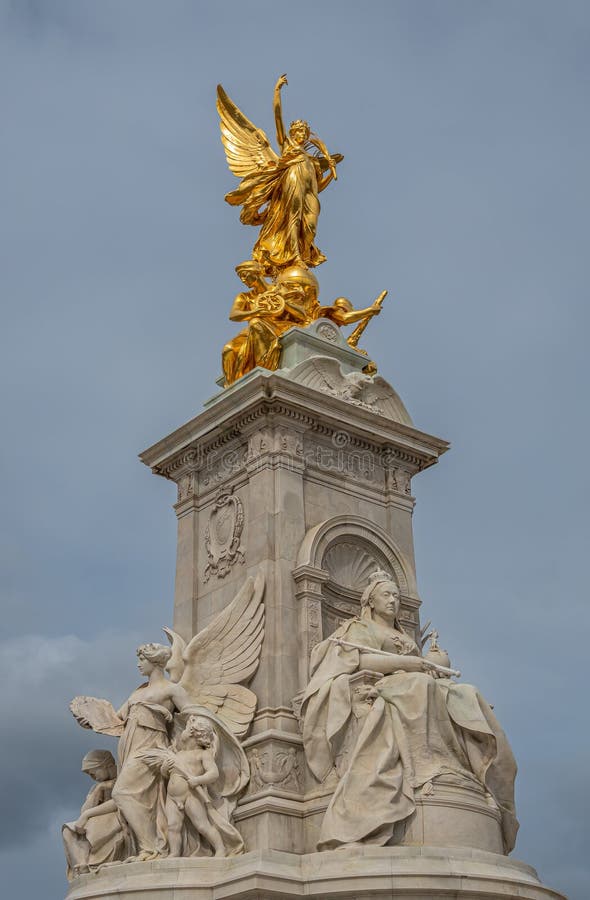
381,597
343,303
152,656
250,272
301,277
100,765
299,131
202,729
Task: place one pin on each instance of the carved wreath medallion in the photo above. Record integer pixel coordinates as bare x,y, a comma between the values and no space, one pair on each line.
328,332
222,535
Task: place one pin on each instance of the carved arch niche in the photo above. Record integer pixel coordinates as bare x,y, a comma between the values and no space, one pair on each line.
334,563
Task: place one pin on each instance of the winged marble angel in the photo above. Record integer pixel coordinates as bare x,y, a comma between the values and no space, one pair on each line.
206,679
277,192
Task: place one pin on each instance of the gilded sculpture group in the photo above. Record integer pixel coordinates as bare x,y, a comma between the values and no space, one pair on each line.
279,194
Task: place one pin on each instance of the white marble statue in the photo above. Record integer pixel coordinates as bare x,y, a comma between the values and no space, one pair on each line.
198,788
99,834
418,729
205,678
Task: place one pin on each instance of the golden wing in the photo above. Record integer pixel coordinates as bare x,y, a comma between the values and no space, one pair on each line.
247,148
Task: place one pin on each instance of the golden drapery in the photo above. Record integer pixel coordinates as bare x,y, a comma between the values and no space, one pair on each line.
283,199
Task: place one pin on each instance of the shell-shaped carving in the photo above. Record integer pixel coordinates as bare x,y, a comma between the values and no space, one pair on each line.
350,565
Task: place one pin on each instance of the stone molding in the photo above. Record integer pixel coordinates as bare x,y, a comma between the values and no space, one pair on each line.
233,413
323,455
369,873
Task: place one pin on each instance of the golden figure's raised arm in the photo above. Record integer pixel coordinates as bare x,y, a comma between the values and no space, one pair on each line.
278,111
342,312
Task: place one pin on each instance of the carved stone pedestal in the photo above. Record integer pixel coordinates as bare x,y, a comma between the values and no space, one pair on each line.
304,476
449,815
364,873
456,815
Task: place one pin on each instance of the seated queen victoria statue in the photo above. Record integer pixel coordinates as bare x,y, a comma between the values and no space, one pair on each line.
421,728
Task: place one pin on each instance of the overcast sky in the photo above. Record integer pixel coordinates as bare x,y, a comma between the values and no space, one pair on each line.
464,190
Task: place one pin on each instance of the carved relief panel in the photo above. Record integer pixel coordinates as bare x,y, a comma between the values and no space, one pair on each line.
223,535
221,465
275,764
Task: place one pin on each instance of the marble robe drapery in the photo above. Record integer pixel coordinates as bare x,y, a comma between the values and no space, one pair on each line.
417,729
139,790
105,838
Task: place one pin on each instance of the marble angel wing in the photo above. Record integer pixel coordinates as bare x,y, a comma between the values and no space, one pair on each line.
225,654
98,715
379,394
247,148
322,373
325,374
175,665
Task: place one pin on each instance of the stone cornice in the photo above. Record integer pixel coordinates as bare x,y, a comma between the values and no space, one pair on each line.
267,395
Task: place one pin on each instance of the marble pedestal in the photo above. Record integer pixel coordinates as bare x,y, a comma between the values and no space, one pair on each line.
305,474
453,815
364,873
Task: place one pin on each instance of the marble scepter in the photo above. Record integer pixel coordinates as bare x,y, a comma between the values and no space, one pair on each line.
431,665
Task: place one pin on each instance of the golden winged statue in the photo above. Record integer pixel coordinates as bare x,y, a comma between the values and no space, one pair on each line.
279,193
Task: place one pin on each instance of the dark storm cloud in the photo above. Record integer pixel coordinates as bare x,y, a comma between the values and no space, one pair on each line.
464,190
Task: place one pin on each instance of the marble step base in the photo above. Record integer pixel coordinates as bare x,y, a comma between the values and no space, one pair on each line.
362,873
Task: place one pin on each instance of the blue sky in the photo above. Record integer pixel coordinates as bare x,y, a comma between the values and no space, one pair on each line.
464,190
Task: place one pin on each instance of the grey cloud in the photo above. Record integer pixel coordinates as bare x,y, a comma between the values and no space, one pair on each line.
42,746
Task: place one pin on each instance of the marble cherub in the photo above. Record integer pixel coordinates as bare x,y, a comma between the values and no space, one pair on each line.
196,810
